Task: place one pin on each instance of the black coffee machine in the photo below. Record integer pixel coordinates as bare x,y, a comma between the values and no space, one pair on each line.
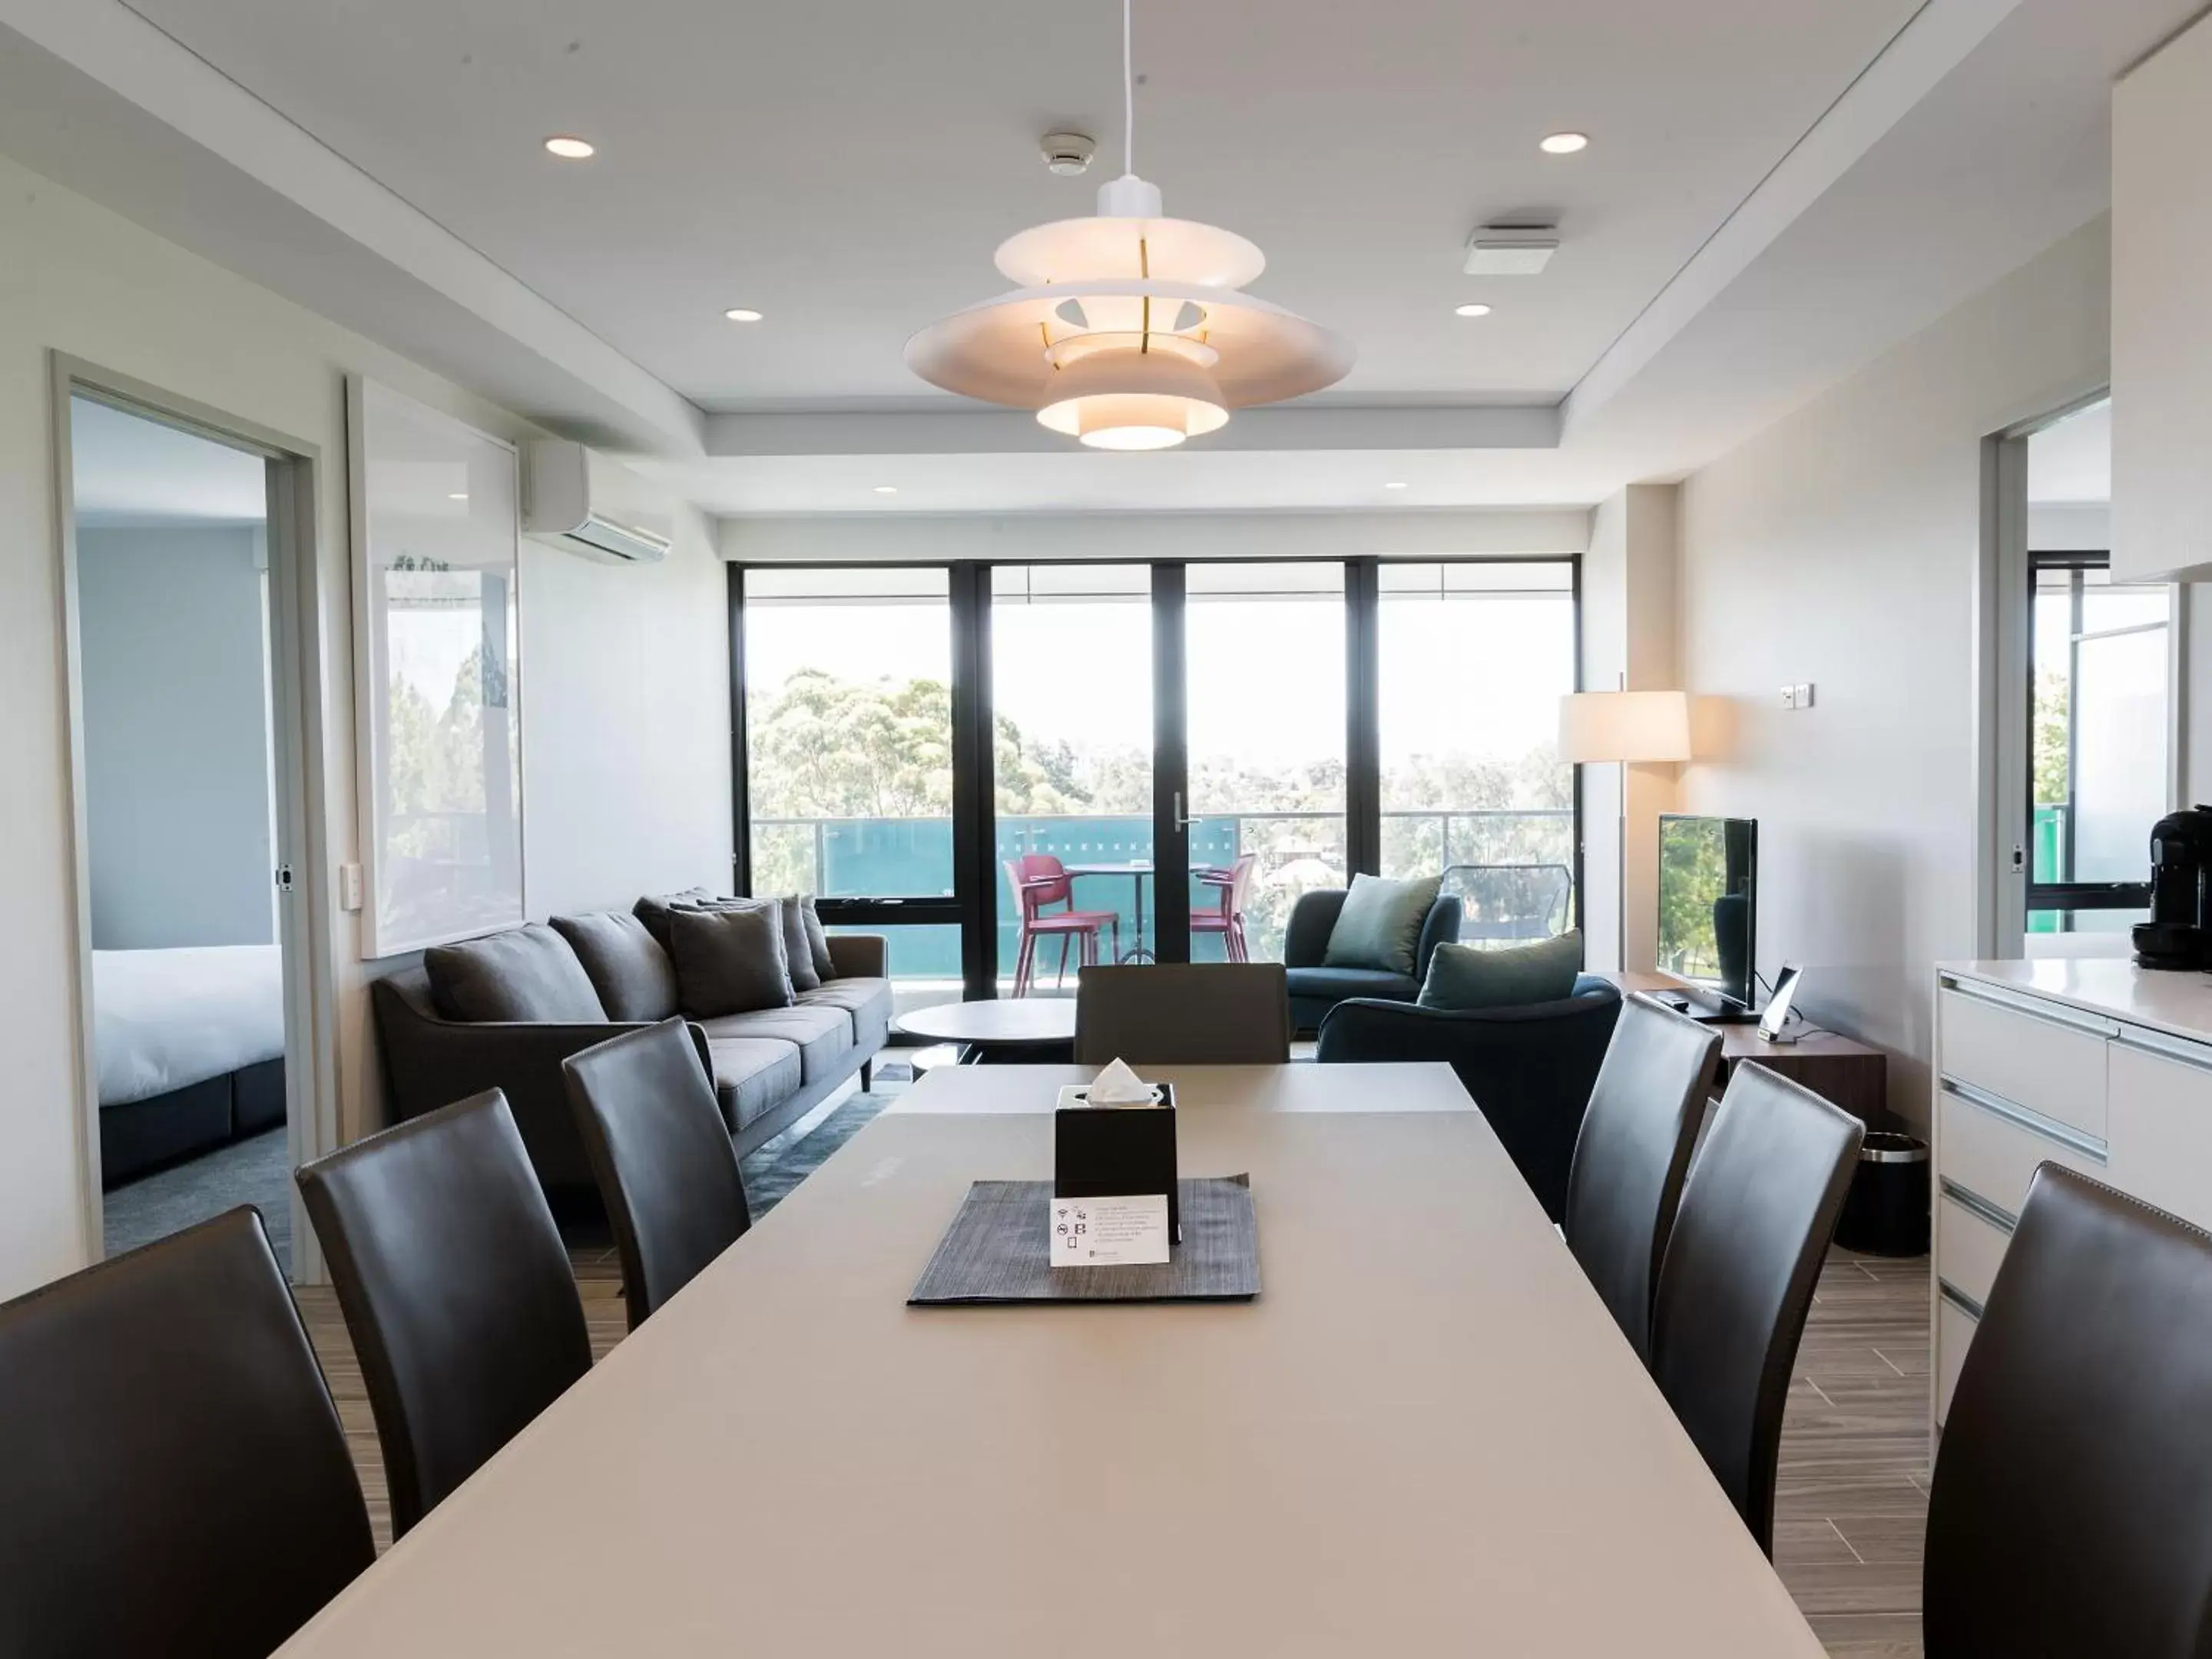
2179,932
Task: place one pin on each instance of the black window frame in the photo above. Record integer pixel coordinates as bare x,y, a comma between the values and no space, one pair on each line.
973,906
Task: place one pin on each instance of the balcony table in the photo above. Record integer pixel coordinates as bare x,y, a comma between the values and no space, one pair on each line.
1137,871
1426,1435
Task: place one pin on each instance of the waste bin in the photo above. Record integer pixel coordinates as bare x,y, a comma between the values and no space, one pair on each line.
1885,1212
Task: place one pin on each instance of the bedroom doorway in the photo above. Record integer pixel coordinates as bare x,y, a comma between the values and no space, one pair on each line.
182,565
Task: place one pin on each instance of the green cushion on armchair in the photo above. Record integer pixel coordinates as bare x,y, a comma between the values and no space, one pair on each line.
1380,924
1466,976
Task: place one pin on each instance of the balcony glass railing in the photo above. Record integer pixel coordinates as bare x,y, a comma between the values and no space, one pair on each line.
860,857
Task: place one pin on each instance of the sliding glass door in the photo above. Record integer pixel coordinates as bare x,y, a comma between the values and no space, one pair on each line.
1008,765
1264,701
1072,771
1472,660
848,786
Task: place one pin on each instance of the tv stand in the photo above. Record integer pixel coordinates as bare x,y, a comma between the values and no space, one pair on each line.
1703,1013
1852,1074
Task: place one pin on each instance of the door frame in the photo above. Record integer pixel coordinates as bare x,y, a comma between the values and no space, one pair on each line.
2003,621
307,915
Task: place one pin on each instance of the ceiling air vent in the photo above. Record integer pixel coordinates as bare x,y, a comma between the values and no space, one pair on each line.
1511,250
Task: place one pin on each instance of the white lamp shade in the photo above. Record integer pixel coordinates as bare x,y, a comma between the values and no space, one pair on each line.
1624,726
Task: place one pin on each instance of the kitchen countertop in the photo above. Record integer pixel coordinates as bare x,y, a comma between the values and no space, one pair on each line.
2178,1004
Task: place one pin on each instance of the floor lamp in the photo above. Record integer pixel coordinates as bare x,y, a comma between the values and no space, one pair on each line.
1631,728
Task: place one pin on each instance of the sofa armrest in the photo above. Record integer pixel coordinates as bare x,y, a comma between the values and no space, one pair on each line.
429,1063
860,955
1440,927
1313,918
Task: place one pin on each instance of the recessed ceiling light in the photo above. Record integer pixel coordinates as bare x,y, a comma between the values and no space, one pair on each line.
569,148
1475,308
1396,483
1564,143
886,489
742,314
459,495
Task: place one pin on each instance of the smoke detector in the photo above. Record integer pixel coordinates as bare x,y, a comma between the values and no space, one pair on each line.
1511,250
1067,153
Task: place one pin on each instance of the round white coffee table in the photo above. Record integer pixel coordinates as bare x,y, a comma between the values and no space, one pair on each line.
1003,1031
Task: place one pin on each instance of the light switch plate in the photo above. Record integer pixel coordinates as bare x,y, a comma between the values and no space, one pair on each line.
1789,696
349,887
1805,695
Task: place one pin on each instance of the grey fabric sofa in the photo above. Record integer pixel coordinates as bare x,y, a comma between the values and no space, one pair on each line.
1315,989
770,1067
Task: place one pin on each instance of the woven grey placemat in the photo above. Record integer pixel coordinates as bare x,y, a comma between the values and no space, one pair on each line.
998,1249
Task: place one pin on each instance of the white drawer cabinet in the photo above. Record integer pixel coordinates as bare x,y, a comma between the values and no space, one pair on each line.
1970,1243
1954,1330
1990,1148
2050,1062
2093,1064
2160,1094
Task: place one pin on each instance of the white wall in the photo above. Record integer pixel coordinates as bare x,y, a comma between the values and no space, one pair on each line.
176,738
626,669
1843,546
1629,615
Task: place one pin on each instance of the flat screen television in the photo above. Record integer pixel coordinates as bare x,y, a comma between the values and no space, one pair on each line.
1709,903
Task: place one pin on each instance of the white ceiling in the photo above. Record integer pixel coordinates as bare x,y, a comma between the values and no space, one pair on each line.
1778,190
130,471
849,166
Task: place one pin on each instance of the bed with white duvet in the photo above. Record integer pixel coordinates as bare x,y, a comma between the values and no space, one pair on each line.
190,1050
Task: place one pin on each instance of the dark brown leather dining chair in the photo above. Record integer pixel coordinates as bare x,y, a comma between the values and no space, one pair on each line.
1632,1153
662,1156
172,1476
456,1289
2071,1508
1758,1213
1183,1013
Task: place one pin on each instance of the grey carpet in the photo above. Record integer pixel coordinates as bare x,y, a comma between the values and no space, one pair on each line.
257,1170
777,1168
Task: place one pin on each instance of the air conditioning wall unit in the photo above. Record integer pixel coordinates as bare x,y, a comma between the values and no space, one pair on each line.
586,503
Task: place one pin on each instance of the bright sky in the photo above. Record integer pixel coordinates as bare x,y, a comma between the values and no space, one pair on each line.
1480,677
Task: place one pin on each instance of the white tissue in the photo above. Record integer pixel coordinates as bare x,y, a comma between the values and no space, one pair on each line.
1117,1086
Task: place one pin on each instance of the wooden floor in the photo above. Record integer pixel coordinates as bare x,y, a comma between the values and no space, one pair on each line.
1850,1504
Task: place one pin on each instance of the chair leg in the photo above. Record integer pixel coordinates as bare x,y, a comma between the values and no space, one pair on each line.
1061,978
1117,938
1023,955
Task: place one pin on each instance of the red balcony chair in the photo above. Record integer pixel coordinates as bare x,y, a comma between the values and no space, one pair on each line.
1039,879
1232,887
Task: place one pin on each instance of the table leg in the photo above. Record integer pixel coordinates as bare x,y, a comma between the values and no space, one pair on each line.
1136,952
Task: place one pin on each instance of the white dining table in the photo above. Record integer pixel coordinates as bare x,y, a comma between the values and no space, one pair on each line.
1424,1436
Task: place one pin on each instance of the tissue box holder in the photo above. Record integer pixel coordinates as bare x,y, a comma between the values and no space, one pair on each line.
1118,1152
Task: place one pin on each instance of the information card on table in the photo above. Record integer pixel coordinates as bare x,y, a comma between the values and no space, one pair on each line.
1109,1232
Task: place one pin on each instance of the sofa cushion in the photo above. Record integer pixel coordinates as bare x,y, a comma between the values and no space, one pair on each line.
818,940
824,1035
752,1074
798,959
526,973
634,979
729,958
655,910
1380,924
1469,977
867,1000
1337,983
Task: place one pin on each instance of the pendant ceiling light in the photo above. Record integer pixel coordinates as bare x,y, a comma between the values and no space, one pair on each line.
1128,330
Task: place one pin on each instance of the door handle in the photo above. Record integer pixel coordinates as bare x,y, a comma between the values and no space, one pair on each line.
1181,822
